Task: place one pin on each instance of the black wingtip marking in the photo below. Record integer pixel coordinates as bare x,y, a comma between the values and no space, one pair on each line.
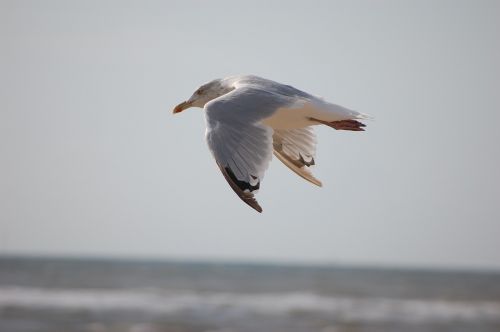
306,163
236,185
243,185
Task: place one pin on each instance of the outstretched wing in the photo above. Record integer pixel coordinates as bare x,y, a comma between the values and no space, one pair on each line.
296,148
241,145
242,152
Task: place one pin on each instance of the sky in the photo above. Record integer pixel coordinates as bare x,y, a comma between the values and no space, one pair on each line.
93,163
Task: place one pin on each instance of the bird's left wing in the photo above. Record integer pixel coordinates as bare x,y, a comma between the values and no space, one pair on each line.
296,148
241,145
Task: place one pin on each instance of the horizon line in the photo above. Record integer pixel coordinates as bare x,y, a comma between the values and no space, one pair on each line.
248,261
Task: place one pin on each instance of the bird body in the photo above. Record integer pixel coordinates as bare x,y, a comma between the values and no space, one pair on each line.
249,118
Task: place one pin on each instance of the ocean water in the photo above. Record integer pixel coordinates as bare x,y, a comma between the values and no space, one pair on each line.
150,296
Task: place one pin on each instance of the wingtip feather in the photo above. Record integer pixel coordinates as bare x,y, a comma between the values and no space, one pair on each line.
245,196
302,172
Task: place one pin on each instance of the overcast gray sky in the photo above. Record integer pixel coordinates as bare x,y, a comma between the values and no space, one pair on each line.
94,163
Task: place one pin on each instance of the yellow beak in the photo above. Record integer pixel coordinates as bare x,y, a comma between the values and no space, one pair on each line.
181,107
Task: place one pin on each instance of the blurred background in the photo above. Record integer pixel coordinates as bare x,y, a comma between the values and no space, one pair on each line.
114,217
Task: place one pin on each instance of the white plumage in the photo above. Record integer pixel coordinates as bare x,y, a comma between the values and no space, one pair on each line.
249,118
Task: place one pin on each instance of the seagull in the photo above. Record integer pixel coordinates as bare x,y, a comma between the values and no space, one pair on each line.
250,118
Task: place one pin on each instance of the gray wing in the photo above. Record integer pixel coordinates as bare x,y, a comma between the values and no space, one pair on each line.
273,87
241,145
296,148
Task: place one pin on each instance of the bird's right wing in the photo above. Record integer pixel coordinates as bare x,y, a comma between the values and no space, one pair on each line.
241,145
243,153
296,148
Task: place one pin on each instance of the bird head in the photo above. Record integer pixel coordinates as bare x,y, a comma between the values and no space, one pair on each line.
204,94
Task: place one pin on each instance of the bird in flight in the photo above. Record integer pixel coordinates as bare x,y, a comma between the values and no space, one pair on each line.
250,118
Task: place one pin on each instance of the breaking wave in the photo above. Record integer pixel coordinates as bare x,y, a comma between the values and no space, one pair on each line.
277,304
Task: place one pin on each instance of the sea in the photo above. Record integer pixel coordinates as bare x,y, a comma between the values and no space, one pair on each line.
105,295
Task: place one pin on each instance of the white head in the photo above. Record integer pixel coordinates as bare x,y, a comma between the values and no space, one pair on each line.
204,94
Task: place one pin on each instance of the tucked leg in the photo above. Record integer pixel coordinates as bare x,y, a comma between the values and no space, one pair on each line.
352,125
